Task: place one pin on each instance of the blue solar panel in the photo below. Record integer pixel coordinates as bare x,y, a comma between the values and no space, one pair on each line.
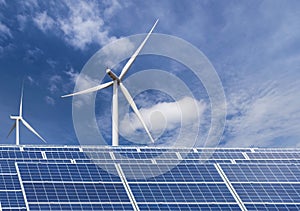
69,179
191,161
64,149
179,192
7,166
268,192
9,182
12,199
274,155
75,192
19,154
266,161
278,207
262,172
148,155
90,206
66,155
68,172
178,173
179,207
216,155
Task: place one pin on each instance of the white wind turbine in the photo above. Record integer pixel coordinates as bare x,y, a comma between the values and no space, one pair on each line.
117,82
17,123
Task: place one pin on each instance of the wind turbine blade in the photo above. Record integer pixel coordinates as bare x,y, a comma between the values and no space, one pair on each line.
21,101
93,89
131,60
135,109
11,130
32,130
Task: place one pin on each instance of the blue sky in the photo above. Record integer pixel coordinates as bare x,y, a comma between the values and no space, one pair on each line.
253,45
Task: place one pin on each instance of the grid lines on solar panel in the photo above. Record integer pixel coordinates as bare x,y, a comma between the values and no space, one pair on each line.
9,182
262,172
213,155
191,161
19,154
278,207
269,161
68,172
268,192
35,148
10,199
145,155
90,207
191,207
178,173
75,192
274,155
167,192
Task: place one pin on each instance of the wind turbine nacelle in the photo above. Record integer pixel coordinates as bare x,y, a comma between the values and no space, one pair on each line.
15,117
112,75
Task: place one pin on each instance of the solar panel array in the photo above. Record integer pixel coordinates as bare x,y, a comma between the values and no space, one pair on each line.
144,178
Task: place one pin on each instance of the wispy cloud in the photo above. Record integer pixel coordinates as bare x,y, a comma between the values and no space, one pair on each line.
54,82
164,116
5,31
81,23
43,21
262,116
49,100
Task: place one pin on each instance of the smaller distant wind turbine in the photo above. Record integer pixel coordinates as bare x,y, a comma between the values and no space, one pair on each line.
117,83
16,125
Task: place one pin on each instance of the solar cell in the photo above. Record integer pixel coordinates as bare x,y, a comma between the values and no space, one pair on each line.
278,207
9,182
12,199
266,161
268,192
179,207
89,206
179,192
262,172
216,155
146,155
19,154
68,172
75,192
178,173
274,155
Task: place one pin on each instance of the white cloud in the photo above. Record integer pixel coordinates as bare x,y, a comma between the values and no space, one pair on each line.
84,26
22,19
262,116
31,80
43,21
5,31
50,100
113,7
54,82
82,82
164,116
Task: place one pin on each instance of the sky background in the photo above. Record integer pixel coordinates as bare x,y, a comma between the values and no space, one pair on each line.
254,47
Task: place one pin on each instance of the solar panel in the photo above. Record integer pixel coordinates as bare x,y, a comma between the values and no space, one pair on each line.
262,172
148,178
178,173
268,192
180,192
82,206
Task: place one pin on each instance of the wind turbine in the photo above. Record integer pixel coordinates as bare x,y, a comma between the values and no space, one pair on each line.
19,118
117,83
